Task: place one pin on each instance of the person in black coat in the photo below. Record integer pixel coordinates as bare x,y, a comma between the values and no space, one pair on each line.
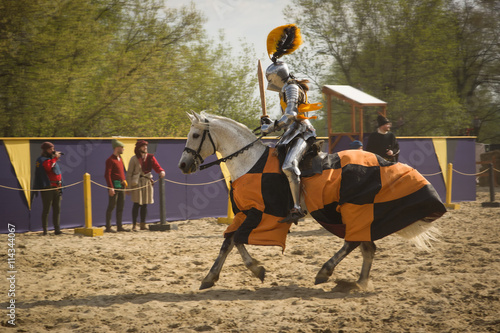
383,142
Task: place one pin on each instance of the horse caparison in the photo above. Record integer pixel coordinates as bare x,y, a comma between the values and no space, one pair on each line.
416,208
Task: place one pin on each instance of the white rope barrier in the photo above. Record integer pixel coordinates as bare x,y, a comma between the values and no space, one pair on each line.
41,190
109,188
168,180
432,174
461,173
471,174
121,189
212,182
200,184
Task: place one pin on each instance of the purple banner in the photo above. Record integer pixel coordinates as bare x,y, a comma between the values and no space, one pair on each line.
184,198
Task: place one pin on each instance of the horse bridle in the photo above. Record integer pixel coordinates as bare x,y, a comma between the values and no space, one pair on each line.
196,153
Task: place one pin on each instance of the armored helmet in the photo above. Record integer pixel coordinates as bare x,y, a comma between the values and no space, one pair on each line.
280,41
277,74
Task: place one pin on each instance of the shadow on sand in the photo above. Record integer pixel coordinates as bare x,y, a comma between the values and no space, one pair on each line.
344,289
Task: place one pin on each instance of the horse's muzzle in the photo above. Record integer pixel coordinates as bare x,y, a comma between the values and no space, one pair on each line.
187,164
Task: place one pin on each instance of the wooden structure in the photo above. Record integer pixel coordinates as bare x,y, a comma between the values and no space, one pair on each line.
358,100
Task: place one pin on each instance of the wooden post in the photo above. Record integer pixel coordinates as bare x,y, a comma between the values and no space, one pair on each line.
230,215
361,124
353,119
163,216
87,199
329,119
162,226
492,203
87,208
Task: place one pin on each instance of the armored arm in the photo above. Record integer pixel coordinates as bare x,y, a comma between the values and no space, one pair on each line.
291,92
267,125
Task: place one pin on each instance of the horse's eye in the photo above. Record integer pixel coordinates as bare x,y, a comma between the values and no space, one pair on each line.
196,135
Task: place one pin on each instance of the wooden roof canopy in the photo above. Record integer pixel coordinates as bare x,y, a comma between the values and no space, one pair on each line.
358,100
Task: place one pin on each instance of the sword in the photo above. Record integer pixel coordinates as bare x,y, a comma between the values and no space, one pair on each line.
262,89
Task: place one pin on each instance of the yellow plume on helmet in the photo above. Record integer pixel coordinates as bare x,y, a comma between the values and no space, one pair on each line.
283,40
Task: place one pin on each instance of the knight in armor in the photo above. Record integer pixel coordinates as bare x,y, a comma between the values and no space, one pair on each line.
299,134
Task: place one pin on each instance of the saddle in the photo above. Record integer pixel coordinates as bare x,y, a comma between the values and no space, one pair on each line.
312,161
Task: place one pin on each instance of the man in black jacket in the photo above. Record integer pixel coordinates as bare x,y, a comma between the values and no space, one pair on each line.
383,142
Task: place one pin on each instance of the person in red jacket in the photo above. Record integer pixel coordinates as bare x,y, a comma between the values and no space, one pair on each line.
115,178
48,178
140,177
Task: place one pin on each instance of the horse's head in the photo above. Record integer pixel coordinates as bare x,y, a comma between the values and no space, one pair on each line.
199,144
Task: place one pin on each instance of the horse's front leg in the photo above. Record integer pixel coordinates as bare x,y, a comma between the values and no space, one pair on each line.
251,263
213,275
327,270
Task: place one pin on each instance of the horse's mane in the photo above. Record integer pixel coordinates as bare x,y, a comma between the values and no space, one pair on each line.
222,118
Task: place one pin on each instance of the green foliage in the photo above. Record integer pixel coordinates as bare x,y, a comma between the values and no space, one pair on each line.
429,59
111,67
223,83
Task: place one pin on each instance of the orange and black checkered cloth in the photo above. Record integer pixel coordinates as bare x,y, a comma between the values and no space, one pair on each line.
260,199
359,196
362,197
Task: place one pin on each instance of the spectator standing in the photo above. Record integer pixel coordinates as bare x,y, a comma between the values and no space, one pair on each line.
48,178
383,142
356,145
140,178
115,178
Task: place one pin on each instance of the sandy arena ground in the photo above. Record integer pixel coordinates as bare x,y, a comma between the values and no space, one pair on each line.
148,282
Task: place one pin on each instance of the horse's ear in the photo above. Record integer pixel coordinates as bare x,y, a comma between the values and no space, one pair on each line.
193,117
198,117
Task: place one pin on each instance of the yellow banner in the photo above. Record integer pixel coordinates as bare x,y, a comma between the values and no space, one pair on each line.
19,155
128,152
440,147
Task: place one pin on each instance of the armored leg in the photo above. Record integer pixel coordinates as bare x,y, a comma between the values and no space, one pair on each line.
291,170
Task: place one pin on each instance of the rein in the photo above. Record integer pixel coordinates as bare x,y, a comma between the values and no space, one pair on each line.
236,153
197,155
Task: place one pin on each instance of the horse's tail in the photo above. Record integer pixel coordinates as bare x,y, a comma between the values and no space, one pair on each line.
422,234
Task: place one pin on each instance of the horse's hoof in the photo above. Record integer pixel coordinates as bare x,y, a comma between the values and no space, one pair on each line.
206,285
364,284
261,274
320,279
